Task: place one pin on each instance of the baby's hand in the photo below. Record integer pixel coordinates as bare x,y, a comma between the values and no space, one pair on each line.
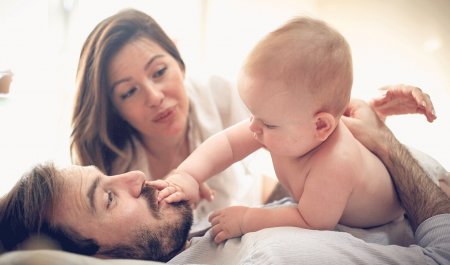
227,223
403,99
178,186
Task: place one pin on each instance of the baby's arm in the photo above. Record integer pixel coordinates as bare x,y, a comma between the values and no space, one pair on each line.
320,207
235,221
327,191
211,157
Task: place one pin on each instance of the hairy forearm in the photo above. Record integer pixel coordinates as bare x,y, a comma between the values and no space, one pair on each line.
420,197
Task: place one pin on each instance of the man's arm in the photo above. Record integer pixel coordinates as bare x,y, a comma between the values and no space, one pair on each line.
421,198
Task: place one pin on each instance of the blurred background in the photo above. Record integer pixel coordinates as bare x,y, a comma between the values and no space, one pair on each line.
393,41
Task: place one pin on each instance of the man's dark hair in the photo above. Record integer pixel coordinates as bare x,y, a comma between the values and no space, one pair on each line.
25,211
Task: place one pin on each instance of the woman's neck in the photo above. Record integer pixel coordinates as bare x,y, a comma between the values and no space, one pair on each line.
164,155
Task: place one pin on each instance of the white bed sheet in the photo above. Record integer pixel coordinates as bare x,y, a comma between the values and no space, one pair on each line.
237,250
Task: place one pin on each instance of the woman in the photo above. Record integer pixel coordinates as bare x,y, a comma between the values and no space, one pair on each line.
135,110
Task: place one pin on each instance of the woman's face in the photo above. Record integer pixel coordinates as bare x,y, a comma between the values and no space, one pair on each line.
147,89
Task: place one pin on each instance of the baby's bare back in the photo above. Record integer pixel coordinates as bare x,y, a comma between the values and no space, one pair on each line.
350,177
374,200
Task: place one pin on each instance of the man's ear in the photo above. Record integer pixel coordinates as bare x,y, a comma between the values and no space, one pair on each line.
325,124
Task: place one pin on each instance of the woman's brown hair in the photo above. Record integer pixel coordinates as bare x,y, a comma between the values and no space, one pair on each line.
99,134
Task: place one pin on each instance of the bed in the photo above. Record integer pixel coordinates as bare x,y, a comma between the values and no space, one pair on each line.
241,250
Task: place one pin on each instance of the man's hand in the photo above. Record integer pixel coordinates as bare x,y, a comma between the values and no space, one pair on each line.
227,223
180,186
403,99
420,197
364,124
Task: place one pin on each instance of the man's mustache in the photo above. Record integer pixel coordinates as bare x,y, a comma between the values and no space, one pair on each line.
149,193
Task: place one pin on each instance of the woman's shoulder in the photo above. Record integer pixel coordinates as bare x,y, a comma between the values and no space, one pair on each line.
215,86
218,95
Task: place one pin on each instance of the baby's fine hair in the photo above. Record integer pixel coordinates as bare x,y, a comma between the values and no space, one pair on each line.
309,55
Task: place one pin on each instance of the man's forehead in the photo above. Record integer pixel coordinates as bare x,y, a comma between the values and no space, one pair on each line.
74,202
83,172
77,179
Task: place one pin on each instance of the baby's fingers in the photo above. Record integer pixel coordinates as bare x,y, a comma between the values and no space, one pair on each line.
166,192
176,197
159,184
206,192
424,102
218,234
212,217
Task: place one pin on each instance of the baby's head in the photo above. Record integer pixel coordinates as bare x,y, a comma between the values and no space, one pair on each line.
306,59
300,73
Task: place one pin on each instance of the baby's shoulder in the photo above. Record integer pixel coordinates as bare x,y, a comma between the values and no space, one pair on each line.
338,160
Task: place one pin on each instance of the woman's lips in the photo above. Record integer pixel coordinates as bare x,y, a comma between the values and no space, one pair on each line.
164,116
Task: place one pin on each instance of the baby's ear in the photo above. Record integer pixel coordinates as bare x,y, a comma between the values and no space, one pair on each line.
325,124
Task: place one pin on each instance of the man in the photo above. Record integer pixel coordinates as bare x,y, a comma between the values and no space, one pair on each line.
89,213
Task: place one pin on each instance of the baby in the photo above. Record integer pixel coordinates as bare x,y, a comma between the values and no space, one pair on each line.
296,83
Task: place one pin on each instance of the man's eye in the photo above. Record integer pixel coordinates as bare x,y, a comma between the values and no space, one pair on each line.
160,72
129,93
110,199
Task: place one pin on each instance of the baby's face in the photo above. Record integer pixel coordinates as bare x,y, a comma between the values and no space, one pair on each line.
280,121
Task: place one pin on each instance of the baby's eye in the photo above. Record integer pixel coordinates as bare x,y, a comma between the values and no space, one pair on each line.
129,93
160,72
110,199
268,126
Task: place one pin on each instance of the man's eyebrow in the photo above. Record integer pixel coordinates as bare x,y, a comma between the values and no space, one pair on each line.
91,193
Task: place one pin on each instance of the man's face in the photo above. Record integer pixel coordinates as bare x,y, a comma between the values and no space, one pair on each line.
121,213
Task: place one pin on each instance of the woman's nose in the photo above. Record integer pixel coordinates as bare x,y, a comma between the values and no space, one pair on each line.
255,126
154,95
130,182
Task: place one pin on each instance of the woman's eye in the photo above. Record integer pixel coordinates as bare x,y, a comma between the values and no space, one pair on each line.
110,199
160,72
129,93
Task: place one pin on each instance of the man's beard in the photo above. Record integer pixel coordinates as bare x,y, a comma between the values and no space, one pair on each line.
159,243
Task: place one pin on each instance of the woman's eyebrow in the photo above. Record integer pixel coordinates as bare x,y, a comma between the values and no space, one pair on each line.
127,79
91,194
113,86
149,63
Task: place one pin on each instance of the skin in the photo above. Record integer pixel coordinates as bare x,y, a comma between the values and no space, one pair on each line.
147,90
420,203
395,100
299,138
403,99
234,221
116,203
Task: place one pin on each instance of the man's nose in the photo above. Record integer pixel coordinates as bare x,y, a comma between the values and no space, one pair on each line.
154,95
255,126
131,182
